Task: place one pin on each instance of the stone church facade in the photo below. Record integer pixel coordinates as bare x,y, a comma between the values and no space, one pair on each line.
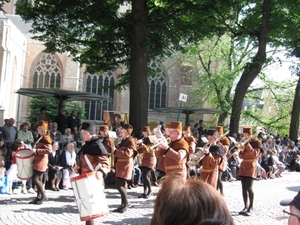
23,64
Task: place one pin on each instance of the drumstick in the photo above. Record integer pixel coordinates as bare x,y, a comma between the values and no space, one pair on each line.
37,141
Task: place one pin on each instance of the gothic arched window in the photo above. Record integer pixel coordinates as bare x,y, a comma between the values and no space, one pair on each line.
46,72
101,85
157,87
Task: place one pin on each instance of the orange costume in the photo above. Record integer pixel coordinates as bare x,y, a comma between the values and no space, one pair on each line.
210,163
124,158
249,158
190,140
176,155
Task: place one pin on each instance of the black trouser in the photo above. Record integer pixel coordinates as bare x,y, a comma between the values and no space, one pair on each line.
153,176
220,183
146,179
247,183
120,185
37,178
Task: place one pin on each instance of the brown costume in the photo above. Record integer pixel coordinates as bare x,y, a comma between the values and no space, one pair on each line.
43,148
109,144
190,140
224,143
210,163
249,156
40,163
124,158
175,158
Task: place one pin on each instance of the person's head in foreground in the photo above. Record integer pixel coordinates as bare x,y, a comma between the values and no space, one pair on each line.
189,202
294,212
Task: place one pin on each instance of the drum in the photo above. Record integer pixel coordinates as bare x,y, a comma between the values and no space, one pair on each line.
90,197
24,160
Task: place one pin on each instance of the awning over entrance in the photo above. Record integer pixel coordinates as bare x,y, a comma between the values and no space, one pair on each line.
188,111
60,94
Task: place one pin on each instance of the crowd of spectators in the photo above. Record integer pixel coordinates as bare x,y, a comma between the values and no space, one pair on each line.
66,135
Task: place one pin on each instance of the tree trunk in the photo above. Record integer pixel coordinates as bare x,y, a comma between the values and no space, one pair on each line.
138,113
251,70
294,125
222,118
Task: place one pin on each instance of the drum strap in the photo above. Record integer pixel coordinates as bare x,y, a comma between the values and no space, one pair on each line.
91,166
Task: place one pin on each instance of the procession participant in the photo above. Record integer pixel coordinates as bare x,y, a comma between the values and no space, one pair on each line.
224,142
248,167
124,155
93,155
212,159
192,147
161,158
176,153
189,139
148,161
40,163
108,143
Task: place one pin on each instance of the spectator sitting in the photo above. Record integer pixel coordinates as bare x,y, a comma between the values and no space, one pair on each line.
68,162
295,164
3,149
56,135
189,202
25,135
77,137
55,173
234,164
290,155
279,165
4,182
68,137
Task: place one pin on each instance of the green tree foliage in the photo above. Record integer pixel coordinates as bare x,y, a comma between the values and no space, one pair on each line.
102,36
99,34
51,105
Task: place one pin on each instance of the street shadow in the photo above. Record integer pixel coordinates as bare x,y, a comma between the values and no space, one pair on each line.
129,220
22,200
51,210
294,188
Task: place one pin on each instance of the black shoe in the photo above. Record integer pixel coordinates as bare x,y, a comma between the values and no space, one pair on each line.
249,212
148,195
122,210
53,189
243,211
142,196
118,209
42,200
34,201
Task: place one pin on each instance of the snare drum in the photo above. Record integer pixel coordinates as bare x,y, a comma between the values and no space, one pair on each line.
24,160
90,197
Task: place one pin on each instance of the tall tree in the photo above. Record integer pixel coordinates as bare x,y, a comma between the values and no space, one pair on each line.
103,35
252,69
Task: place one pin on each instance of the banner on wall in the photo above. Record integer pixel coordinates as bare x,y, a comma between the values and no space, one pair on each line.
113,119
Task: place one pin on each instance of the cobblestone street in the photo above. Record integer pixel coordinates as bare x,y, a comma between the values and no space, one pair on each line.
61,207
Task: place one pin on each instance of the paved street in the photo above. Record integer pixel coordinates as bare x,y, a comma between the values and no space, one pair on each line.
61,208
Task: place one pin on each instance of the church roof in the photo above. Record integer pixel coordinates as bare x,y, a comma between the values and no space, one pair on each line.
19,23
